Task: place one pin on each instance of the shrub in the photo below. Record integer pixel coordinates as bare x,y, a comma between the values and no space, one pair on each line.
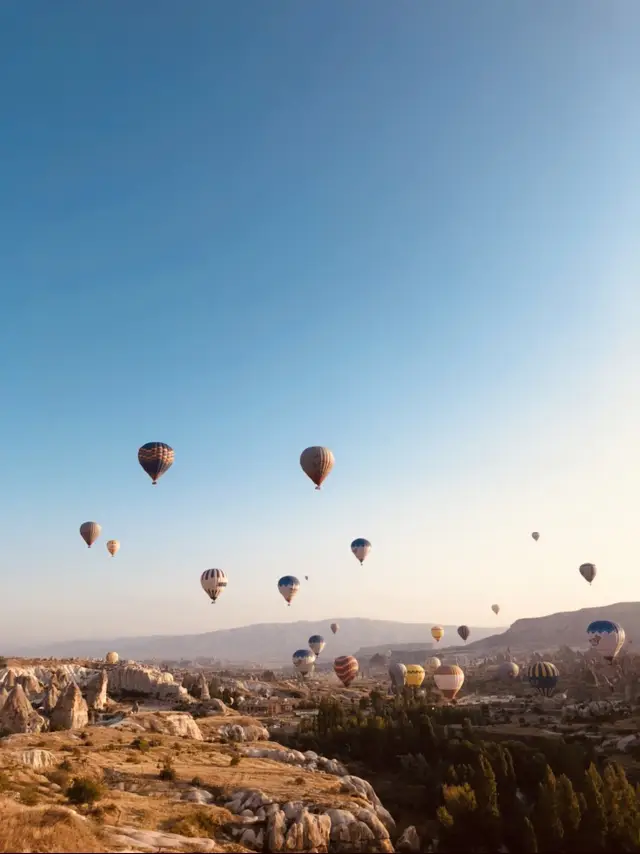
197,782
140,744
84,790
235,760
167,770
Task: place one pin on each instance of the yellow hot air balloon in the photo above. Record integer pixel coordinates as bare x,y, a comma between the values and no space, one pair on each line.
415,675
113,546
112,658
437,633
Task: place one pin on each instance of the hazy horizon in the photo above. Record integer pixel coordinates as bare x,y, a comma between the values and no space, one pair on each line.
406,232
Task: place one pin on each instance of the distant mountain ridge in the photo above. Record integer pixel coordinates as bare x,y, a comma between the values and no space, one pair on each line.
260,643
565,628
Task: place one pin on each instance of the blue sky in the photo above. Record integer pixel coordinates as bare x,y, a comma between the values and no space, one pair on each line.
404,230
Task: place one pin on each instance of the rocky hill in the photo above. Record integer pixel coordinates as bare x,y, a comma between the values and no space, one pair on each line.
567,628
262,643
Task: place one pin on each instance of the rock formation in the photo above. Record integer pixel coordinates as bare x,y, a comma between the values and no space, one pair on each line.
200,689
147,681
31,684
18,715
71,710
3,696
173,723
97,691
51,697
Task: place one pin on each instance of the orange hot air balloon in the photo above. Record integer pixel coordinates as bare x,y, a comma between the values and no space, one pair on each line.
316,462
449,679
346,668
437,633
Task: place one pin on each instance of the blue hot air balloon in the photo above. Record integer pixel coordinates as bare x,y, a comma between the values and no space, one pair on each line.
361,548
606,637
304,661
543,676
316,644
288,587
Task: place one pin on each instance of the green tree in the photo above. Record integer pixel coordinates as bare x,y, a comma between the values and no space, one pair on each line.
546,819
569,812
529,844
457,820
621,807
593,827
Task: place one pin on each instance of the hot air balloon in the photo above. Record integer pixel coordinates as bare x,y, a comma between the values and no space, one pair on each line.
306,578
432,664
398,675
449,679
288,587
415,675
346,668
606,637
214,582
113,546
334,628
543,676
316,463
536,536
90,531
361,549
437,633
156,458
111,658
303,661
508,671
316,644
588,571
495,609
464,632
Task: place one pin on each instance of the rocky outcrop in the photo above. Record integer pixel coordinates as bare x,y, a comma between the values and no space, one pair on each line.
408,841
18,715
250,732
10,679
136,839
3,696
51,697
32,686
173,723
310,760
97,692
37,759
146,681
200,689
71,710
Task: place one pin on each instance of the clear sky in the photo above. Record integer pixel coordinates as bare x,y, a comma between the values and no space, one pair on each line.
405,230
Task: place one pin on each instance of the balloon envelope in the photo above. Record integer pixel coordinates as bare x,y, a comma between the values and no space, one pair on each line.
449,679
346,669
214,582
303,661
288,587
113,546
334,627
536,536
543,676
606,637
156,458
316,462
398,675
112,658
316,644
437,633
90,531
432,664
361,548
464,632
495,609
508,671
588,571
415,675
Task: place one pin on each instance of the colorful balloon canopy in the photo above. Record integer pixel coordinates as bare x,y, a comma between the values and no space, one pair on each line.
495,609
415,675
335,628
214,582
111,658
588,571
90,531
303,661
432,664
449,679
606,638
316,644
156,458
464,632
536,536
361,549
543,676
398,675
346,669
288,587
437,633
316,462
508,671
113,546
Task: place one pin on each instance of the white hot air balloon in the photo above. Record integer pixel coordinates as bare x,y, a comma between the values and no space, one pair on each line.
304,661
214,582
361,549
113,547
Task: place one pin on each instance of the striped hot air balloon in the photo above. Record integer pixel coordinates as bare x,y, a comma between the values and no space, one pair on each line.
303,661
346,669
316,644
449,679
543,676
214,582
288,587
415,675
361,549
90,531
316,462
113,546
156,458
464,632
437,633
